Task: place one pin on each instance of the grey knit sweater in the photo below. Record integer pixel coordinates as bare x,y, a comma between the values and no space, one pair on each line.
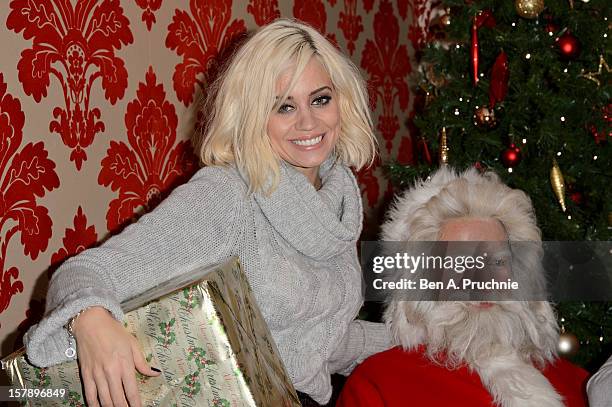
599,387
297,246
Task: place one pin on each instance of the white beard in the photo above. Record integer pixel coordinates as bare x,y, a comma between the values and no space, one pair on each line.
501,343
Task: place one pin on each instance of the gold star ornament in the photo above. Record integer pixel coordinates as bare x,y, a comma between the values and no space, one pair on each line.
594,76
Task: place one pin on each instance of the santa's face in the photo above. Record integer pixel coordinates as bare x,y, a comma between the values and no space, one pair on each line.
474,229
466,330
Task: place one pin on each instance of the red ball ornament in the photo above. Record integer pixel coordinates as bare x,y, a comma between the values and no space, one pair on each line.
568,45
575,194
577,197
511,157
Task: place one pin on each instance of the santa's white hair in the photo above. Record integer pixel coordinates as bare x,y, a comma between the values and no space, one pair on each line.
505,343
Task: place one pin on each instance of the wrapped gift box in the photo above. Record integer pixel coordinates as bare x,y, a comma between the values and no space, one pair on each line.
207,335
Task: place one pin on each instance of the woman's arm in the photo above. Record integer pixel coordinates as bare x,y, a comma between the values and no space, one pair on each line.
362,339
599,387
198,224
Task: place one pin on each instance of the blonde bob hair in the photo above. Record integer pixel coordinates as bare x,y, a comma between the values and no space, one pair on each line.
242,99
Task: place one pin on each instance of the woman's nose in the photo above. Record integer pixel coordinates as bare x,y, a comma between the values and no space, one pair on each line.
306,120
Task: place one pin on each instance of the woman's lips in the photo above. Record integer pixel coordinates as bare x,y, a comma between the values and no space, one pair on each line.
309,143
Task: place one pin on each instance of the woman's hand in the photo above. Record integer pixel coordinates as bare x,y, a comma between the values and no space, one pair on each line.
107,355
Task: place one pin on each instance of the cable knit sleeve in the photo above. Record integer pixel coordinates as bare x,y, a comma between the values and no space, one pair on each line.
599,387
197,224
362,340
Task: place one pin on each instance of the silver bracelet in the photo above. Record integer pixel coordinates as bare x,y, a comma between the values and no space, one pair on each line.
70,325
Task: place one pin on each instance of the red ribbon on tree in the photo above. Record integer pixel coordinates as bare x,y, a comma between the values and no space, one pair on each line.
482,18
423,148
499,79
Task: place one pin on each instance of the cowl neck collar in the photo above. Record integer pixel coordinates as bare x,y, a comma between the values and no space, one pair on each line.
319,224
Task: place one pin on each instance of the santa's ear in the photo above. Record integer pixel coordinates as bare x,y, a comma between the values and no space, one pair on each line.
406,328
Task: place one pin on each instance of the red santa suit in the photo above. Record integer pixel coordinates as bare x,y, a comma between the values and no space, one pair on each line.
398,378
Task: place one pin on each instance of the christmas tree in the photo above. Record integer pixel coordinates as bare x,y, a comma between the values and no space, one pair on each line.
523,88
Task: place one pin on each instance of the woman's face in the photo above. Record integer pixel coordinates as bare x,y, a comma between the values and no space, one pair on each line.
304,130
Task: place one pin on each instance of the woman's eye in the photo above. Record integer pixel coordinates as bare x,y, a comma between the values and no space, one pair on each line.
285,108
321,100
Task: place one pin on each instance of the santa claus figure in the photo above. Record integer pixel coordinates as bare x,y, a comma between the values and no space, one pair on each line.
466,353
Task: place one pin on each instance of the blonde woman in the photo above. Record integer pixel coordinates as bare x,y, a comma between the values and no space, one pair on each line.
288,117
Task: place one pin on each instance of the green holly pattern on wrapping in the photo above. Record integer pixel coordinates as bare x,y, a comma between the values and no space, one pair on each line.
199,355
192,385
214,321
74,400
238,372
42,379
217,402
191,299
168,336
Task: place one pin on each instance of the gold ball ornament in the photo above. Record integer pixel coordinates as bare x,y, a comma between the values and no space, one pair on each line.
485,117
568,344
529,8
438,30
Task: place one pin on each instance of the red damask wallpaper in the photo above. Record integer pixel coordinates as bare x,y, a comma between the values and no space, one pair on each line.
99,98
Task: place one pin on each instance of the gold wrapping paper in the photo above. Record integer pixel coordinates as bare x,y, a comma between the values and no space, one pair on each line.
208,337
